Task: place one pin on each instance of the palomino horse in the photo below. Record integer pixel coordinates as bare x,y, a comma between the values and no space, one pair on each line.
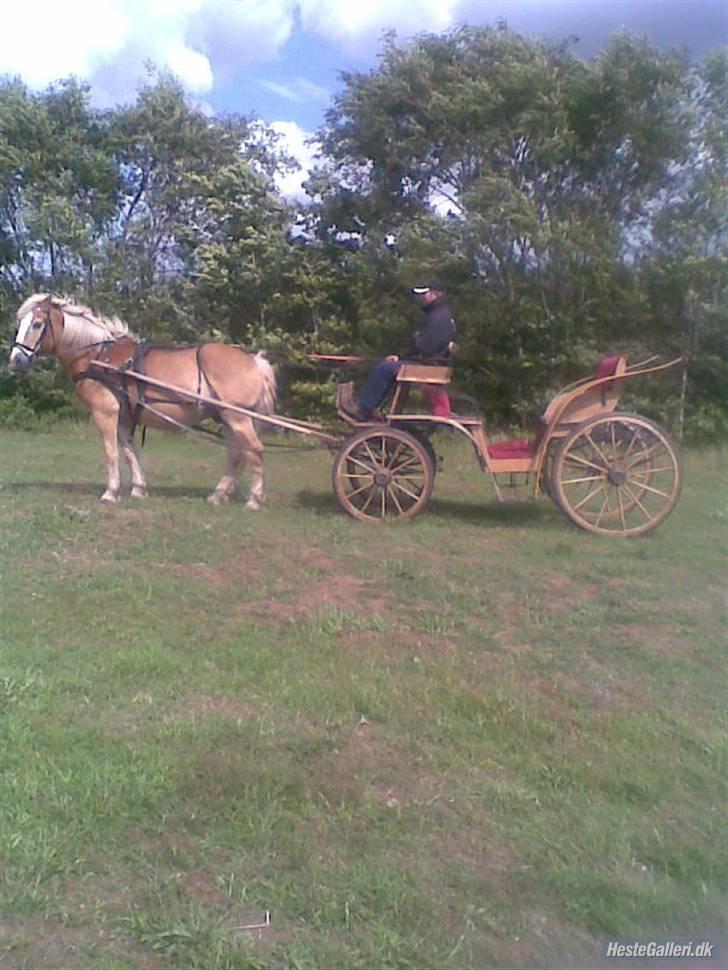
79,337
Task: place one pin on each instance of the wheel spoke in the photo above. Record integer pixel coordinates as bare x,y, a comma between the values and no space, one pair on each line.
408,462
400,486
366,505
645,455
393,458
363,464
635,436
390,492
357,491
637,502
596,448
571,457
603,509
614,441
580,481
373,458
588,496
654,471
415,477
655,491
621,510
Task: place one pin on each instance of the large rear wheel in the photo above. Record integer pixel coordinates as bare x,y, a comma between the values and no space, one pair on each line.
618,474
383,473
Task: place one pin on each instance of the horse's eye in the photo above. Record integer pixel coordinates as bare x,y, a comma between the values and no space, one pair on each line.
36,325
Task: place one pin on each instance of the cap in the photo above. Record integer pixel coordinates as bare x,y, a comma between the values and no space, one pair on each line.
430,284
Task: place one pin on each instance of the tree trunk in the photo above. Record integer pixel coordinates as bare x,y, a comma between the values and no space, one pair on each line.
683,398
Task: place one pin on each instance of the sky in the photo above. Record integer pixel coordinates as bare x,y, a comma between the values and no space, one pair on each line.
280,60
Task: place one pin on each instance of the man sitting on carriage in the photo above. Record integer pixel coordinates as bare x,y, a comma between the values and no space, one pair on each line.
431,344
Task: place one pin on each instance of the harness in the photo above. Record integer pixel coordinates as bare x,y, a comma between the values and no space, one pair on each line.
130,392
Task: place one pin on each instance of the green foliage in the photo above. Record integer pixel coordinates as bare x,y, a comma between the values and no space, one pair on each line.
575,209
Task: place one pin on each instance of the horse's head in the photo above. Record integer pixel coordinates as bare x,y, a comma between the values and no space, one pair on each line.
39,324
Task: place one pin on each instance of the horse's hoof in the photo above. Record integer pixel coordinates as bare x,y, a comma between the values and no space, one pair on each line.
110,498
218,499
253,504
139,493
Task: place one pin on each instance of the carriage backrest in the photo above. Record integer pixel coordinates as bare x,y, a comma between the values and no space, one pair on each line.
414,373
595,395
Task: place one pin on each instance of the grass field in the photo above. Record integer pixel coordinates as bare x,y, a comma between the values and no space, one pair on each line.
479,739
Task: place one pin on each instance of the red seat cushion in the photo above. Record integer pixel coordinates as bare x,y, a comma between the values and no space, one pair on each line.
437,401
518,448
607,366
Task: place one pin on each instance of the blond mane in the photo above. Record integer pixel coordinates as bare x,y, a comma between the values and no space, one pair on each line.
81,326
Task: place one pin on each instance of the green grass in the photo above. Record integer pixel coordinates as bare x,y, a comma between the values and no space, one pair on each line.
479,739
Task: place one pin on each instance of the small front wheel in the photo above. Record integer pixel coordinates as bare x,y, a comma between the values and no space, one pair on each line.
383,473
618,474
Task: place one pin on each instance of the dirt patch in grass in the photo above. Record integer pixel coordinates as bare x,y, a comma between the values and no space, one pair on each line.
656,639
307,598
562,594
28,944
205,705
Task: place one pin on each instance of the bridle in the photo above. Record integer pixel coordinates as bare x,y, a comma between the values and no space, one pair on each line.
32,352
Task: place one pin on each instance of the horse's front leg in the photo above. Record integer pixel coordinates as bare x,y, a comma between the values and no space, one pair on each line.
138,478
107,421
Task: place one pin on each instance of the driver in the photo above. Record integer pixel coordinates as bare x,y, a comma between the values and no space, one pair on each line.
430,344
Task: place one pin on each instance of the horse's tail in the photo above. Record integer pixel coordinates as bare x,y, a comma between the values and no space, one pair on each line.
266,403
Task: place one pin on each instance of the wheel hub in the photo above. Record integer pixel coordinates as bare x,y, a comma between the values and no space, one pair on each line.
382,477
617,473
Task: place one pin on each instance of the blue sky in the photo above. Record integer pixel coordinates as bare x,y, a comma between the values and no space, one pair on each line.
281,59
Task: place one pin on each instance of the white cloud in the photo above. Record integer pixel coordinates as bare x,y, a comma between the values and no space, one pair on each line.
353,23
44,41
190,65
294,141
203,42
108,41
207,42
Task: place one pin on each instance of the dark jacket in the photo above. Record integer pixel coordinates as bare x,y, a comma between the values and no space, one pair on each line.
431,342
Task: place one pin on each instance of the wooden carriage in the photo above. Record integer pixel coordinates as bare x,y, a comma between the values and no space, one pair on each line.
609,472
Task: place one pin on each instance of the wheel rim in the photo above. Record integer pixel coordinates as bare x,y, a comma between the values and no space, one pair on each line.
617,475
384,474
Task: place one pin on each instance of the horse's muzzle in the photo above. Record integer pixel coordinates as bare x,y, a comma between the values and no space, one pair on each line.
19,360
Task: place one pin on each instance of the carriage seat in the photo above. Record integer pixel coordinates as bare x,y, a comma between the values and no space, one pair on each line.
517,448
433,378
585,399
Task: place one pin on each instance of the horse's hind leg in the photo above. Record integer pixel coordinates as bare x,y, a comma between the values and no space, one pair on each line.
257,481
242,442
234,461
138,478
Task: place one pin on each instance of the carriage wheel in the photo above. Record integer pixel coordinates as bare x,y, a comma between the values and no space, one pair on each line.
618,474
383,473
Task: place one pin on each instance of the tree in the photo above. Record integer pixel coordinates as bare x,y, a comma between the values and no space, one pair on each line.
528,169
684,269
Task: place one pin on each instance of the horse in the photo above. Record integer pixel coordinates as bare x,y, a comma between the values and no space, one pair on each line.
81,339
